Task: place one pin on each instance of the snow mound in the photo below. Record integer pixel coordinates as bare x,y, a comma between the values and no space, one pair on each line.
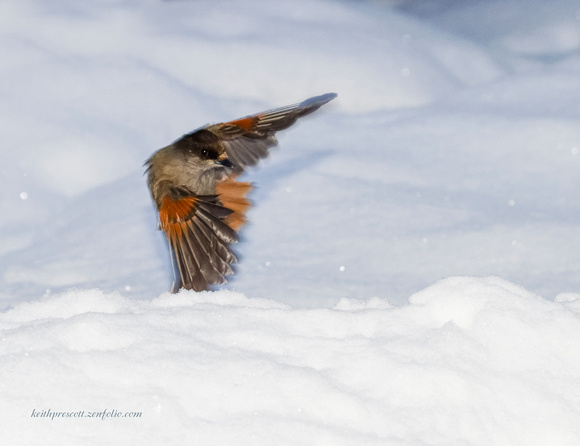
470,361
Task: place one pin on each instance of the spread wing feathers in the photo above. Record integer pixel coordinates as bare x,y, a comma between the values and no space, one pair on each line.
198,239
248,139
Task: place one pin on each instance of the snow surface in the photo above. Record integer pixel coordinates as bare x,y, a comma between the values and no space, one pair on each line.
376,300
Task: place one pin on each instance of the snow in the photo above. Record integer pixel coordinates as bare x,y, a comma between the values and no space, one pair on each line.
409,275
467,361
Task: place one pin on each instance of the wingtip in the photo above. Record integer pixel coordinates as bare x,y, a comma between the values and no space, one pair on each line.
330,96
319,100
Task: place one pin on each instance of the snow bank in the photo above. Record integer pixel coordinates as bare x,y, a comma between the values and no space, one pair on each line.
469,361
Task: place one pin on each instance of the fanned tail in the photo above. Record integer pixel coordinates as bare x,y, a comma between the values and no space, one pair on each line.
232,195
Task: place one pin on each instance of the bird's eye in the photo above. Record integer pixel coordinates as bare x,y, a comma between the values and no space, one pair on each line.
204,153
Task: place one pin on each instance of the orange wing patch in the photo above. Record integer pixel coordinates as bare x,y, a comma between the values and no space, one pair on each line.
173,215
245,123
232,194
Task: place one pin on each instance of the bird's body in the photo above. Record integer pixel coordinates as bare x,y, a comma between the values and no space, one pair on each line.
201,205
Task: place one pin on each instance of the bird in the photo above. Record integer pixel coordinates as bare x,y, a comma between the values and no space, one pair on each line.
200,202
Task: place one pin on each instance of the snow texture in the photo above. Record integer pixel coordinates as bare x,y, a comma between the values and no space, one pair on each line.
409,275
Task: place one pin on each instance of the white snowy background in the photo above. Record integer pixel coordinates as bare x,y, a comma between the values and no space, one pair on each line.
410,273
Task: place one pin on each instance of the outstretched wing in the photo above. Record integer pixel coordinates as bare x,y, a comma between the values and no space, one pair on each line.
248,139
198,238
200,228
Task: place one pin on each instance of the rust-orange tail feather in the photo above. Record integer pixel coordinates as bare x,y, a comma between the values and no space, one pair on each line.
232,195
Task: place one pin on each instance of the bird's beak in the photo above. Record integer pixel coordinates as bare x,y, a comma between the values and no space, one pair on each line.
225,163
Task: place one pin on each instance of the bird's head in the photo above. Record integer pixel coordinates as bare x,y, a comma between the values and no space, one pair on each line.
204,150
